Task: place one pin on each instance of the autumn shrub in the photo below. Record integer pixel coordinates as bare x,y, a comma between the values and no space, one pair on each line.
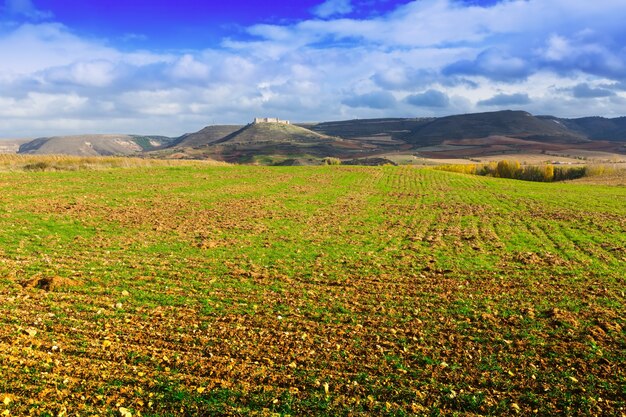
508,169
570,173
37,166
460,168
332,161
514,170
597,170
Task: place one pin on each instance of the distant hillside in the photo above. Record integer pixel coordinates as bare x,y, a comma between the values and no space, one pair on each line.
93,145
272,132
206,136
12,145
262,139
362,128
515,124
459,136
598,128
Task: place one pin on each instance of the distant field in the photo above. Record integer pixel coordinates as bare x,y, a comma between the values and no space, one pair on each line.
81,163
234,290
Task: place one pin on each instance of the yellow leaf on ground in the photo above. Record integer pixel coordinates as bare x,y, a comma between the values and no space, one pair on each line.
125,412
7,400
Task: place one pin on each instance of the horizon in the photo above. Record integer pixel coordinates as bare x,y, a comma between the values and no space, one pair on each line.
171,68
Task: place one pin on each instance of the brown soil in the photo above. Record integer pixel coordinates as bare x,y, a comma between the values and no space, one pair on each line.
47,283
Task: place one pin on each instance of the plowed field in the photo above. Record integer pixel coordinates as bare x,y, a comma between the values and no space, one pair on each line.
169,291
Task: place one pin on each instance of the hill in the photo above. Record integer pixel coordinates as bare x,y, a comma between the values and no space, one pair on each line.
597,128
12,145
514,124
93,145
364,129
273,133
206,136
477,135
258,140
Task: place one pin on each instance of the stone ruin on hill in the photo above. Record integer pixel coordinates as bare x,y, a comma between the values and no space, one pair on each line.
270,120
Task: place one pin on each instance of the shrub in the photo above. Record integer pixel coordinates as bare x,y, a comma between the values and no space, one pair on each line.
461,169
514,170
37,166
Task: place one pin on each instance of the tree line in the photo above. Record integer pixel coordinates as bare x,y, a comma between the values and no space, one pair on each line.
515,170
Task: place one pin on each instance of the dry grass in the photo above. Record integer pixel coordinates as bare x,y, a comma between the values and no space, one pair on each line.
605,175
10,162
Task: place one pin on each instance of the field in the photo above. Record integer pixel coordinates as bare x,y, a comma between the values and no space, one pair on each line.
224,290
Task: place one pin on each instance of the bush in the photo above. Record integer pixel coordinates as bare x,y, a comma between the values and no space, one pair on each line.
514,170
37,166
329,160
461,169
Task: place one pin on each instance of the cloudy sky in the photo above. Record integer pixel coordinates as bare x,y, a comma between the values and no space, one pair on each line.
170,67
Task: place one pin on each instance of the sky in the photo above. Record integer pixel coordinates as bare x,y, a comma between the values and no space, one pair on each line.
171,67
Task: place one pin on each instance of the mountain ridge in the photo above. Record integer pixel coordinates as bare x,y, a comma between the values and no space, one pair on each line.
93,144
463,135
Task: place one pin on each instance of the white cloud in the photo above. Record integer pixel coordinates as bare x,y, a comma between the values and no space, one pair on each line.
333,8
428,57
158,102
36,105
557,48
187,67
35,47
89,73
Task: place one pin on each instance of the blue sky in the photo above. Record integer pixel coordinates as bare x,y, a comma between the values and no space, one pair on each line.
165,67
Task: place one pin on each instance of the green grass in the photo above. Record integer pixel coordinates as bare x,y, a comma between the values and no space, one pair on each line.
244,290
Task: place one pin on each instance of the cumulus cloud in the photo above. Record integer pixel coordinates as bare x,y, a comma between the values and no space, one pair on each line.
98,73
584,52
188,68
494,64
374,100
432,56
30,48
430,98
402,78
332,8
500,100
583,90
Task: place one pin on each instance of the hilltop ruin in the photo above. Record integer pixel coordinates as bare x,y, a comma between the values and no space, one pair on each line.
270,120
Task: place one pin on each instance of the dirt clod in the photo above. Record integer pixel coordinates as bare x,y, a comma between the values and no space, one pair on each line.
47,283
